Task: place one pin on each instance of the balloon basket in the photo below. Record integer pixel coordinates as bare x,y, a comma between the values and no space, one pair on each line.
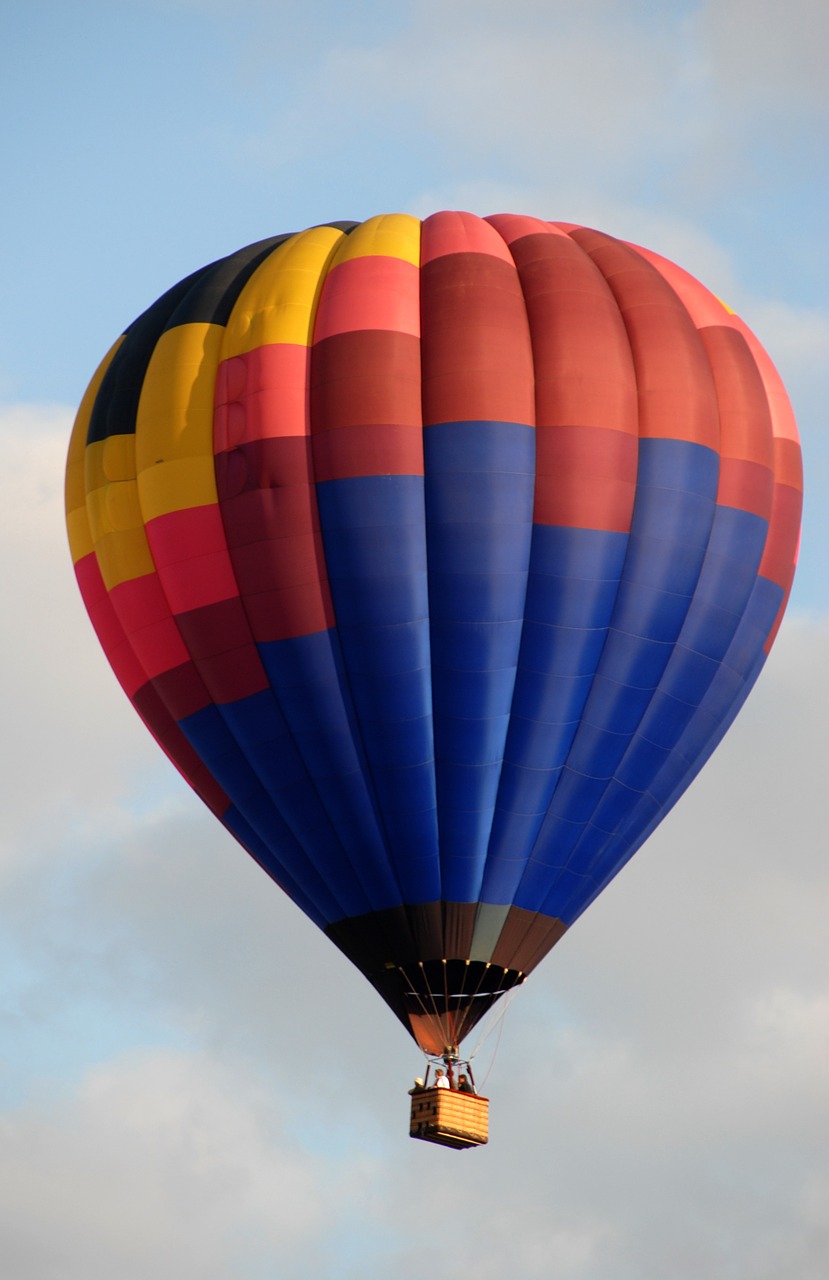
449,1118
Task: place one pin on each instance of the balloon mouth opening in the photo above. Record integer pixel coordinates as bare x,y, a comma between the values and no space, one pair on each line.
439,1001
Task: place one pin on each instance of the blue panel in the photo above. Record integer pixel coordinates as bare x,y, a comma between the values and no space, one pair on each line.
645,610
244,833
479,503
634,660
593,756
373,530
572,588
677,466
565,896
306,675
543,701
273,794
629,640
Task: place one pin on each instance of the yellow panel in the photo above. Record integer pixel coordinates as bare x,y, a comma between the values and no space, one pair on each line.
95,476
174,423
123,556
392,235
176,485
80,535
97,512
77,524
279,302
119,457
123,507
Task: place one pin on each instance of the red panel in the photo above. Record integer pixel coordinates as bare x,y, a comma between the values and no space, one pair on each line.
376,449
215,629
198,582
270,512
777,563
788,463
477,356
584,370
279,562
677,400
219,640
585,478
745,420
365,377
185,535
370,292
182,691
515,226
142,608
702,305
189,548
746,486
261,394
450,233
300,610
263,467
233,675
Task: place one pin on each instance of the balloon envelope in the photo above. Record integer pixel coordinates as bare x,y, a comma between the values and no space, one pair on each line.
438,557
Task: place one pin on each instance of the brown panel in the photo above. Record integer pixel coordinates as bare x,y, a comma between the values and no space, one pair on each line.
426,923
526,938
458,927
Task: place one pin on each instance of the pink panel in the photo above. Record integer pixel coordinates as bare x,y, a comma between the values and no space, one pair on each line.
445,233
261,394
371,292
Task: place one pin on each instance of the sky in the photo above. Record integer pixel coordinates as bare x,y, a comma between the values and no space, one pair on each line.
193,1081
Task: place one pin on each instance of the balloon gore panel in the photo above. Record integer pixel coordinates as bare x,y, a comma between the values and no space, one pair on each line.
438,557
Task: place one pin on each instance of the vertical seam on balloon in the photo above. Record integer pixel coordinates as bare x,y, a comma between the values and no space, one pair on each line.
341,670
284,871
529,858
614,777
533,537
273,694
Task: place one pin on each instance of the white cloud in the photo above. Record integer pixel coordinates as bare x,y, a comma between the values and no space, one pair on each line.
767,56
163,1164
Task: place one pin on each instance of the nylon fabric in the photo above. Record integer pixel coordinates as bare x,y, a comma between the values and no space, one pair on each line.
438,556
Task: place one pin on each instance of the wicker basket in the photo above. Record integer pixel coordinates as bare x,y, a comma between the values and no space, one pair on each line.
449,1118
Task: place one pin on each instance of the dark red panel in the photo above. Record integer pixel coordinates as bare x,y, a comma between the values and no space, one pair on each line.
677,399
365,376
477,357
182,691
746,486
156,716
783,535
585,478
373,449
584,372
219,641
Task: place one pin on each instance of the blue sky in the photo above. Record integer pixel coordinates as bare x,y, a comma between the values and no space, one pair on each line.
192,1081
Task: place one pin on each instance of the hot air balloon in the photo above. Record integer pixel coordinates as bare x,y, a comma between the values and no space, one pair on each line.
438,557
